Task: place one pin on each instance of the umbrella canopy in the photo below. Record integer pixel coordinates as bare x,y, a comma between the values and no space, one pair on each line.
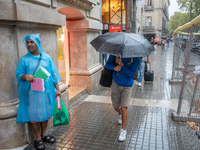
163,37
124,45
156,40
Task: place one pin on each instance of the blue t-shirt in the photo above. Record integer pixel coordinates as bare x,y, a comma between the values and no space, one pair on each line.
125,77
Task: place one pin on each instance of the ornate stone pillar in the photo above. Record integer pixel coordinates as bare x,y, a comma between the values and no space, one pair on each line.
17,19
84,60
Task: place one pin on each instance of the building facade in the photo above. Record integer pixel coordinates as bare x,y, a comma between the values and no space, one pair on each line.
66,28
139,15
155,18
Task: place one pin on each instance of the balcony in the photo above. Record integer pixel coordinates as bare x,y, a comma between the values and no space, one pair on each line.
165,29
148,28
165,11
148,7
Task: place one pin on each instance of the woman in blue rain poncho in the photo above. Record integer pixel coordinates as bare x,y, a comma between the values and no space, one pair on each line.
35,106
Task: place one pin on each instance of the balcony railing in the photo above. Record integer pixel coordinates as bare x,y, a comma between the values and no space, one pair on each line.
165,11
148,7
148,28
165,29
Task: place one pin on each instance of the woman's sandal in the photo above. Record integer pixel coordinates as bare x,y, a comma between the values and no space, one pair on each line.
48,139
39,143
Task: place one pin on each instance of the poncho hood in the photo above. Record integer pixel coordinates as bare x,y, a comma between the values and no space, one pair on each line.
36,39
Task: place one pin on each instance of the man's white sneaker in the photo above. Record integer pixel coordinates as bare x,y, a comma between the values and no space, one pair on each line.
120,119
139,84
122,135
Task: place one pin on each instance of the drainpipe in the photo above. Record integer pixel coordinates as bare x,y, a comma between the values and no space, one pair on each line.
100,4
100,54
133,16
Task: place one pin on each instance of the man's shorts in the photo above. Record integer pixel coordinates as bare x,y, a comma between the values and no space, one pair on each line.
120,95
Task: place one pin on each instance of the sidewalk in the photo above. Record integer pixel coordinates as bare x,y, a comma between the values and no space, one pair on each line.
94,122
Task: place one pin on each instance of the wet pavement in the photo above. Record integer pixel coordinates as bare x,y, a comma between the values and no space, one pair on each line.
94,123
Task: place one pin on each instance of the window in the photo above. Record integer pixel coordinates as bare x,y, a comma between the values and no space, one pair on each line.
148,21
116,14
149,2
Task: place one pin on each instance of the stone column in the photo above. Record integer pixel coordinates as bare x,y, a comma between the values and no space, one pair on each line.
18,19
84,60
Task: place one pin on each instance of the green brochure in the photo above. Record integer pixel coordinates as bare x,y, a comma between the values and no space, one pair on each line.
41,73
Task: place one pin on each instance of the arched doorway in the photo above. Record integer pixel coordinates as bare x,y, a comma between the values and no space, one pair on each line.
80,61
63,42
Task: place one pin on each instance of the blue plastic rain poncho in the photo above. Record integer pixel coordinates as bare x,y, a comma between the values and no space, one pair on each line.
35,105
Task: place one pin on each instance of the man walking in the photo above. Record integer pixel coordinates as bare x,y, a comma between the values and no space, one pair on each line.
36,106
141,70
152,41
121,88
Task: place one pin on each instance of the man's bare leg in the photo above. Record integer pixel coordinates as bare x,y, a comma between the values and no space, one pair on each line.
36,129
118,109
124,117
43,128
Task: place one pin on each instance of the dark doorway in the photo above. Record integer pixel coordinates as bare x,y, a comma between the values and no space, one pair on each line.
149,36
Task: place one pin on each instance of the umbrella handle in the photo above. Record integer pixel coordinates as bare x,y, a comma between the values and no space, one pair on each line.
119,64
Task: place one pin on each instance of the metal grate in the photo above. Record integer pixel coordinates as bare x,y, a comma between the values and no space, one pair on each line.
186,82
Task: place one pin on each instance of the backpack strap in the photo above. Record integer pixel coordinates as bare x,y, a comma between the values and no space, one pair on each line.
114,59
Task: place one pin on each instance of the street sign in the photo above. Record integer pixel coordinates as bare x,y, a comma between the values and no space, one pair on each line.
115,29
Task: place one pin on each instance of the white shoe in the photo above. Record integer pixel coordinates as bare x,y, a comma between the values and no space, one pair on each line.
139,84
122,135
120,119
136,82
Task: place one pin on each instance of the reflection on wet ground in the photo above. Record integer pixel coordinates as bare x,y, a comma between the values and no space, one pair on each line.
94,122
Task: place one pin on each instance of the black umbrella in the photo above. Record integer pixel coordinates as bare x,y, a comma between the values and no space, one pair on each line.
124,45
163,37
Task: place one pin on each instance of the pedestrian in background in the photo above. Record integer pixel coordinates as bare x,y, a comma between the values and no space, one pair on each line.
168,42
156,44
156,40
152,41
121,88
164,42
141,71
36,106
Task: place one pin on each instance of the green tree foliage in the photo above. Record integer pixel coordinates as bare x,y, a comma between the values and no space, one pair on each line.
190,6
177,20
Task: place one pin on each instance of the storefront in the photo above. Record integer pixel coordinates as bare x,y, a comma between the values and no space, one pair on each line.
118,16
119,13
113,14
